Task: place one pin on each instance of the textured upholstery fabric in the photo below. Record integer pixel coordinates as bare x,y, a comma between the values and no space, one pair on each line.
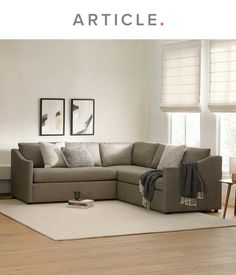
59,184
171,156
143,153
93,148
195,154
73,174
131,173
78,157
116,153
31,151
21,176
95,190
52,155
157,157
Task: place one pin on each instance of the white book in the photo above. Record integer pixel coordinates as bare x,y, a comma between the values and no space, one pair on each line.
83,203
80,206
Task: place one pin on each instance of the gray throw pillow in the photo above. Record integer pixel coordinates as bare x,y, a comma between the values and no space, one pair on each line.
78,157
93,148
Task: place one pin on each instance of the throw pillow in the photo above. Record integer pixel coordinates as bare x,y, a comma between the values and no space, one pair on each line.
52,155
78,157
93,149
171,156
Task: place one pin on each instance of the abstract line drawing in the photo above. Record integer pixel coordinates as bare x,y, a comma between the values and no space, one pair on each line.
52,116
82,116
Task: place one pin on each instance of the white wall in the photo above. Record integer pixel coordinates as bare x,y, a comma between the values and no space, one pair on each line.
158,121
114,73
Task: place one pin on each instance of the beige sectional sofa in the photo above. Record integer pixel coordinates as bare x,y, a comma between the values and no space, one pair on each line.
115,176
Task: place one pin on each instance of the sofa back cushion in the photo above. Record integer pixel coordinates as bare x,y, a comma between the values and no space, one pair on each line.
31,151
92,147
195,154
143,153
116,153
157,156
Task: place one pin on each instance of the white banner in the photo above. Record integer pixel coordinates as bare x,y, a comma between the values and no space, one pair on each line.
104,19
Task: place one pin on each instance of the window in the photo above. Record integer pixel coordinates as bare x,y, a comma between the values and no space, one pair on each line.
181,63
222,97
185,129
180,90
222,76
227,137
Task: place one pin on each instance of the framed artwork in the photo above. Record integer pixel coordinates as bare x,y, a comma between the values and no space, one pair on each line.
82,117
52,116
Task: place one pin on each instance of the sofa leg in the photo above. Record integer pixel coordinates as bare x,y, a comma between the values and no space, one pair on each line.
216,211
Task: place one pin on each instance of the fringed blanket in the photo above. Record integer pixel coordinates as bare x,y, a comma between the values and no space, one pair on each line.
191,184
147,185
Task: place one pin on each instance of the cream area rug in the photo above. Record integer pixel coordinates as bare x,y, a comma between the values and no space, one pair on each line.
107,218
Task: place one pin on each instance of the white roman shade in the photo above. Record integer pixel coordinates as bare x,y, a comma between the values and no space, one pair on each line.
181,64
222,76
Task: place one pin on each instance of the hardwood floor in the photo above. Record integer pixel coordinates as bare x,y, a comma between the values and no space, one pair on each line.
24,251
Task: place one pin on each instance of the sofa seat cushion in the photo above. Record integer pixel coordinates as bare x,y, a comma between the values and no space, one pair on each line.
131,174
73,174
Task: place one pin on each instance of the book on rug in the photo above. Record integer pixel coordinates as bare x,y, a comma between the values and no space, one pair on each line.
81,203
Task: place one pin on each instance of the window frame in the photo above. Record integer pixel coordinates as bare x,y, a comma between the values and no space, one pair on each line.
170,139
226,173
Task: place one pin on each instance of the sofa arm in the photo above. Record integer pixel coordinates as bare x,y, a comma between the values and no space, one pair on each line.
210,170
21,176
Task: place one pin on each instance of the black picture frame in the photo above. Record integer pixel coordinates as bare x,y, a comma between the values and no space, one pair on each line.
52,117
82,116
